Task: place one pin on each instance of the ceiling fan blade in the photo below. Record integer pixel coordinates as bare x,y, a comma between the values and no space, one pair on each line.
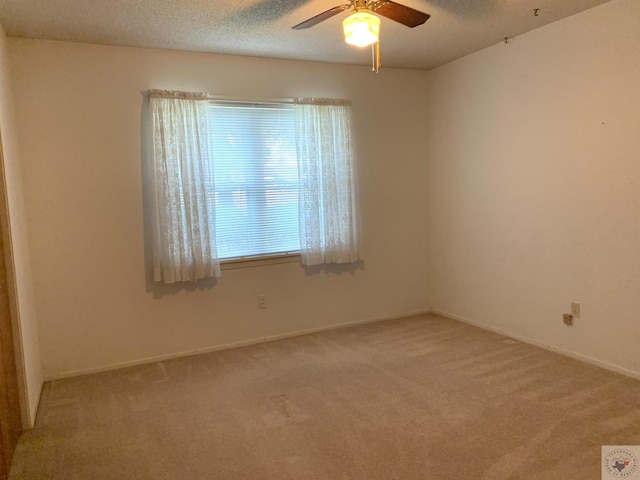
321,17
400,13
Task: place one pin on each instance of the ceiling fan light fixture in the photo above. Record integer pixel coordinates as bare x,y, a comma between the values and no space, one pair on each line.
361,28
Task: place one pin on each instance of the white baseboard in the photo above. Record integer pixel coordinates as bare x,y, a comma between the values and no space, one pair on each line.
554,348
226,346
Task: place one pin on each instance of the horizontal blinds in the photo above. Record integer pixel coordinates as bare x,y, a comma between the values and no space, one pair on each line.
256,179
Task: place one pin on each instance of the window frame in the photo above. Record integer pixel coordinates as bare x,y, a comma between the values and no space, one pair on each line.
184,242
260,261
248,261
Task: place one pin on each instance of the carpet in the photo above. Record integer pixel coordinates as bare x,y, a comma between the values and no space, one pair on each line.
423,397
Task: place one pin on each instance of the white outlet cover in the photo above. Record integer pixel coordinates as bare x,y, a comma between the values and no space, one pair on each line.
575,309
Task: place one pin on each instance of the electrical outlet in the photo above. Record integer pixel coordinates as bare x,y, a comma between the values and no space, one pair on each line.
262,301
575,309
567,319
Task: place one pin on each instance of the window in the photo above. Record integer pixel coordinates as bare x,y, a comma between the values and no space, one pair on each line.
255,169
240,179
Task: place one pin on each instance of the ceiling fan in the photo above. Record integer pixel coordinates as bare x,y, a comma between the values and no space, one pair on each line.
362,27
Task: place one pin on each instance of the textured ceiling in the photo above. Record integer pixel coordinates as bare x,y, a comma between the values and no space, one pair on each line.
263,27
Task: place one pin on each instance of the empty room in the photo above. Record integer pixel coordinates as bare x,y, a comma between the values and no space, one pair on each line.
294,240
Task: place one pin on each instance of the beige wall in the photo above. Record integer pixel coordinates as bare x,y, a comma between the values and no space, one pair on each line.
528,201
79,115
16,242
534,191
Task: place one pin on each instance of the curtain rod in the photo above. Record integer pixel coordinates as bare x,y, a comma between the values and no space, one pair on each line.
222,98
208,96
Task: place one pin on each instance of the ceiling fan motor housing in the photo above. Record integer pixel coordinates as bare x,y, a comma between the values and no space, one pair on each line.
361,4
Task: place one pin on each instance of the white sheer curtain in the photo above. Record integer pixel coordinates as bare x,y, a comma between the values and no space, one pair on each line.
182,182
328,211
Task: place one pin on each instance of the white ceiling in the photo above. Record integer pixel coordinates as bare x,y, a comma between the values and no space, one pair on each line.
263,27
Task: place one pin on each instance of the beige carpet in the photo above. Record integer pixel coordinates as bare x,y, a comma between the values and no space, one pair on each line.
418,398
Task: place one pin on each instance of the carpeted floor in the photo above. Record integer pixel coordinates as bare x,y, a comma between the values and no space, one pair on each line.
418,398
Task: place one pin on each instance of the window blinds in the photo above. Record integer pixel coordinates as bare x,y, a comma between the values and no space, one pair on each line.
256,178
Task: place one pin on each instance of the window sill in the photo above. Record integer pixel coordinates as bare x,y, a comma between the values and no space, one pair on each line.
259,261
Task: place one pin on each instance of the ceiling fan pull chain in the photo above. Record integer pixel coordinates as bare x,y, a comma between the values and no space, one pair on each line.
375,56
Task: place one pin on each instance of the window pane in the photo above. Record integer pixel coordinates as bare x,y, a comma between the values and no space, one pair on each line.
256,178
